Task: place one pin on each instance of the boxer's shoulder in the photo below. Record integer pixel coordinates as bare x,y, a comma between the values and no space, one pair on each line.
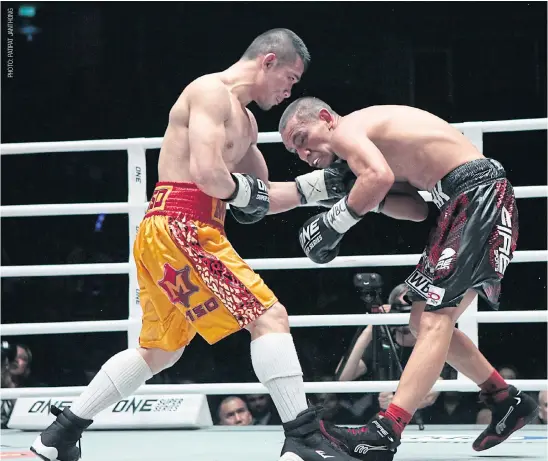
207,87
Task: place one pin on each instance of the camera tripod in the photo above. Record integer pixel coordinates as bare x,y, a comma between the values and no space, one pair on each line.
386,365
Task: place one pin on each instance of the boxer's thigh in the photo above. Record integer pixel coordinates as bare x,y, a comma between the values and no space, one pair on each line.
206,280
162,279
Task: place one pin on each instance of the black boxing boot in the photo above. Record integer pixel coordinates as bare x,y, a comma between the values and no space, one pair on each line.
376,441
511,410
58,441
304,441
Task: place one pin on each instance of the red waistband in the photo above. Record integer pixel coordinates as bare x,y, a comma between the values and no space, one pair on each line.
177,198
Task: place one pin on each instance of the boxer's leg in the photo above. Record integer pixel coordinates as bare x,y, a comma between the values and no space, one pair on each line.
276,363
120,377
463,355
426,361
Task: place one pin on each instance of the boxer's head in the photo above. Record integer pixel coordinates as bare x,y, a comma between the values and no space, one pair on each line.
281,58
306,126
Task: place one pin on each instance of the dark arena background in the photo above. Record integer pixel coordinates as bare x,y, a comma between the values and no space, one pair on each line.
109,70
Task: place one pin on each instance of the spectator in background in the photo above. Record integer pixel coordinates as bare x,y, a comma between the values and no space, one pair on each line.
19,368
263,411
484,415
233,411
452,408
508,372
543,408
358,364
332,408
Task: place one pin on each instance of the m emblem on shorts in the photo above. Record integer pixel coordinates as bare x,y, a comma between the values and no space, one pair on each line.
177,285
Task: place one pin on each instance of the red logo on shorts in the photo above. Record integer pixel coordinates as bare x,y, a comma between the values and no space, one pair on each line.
177,285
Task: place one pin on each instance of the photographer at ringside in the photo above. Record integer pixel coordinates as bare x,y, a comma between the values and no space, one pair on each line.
363,361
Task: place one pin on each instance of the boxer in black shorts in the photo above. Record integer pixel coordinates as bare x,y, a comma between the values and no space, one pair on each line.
391,148
474,239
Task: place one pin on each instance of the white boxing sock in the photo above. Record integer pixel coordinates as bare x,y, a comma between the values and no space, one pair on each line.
118,378
277,366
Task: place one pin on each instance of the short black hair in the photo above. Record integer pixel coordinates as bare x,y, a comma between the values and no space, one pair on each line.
284,43
304,109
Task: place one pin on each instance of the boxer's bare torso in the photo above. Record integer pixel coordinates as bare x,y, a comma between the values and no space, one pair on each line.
419,147
240,129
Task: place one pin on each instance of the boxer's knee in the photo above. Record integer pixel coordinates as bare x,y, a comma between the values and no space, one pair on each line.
158,359
274,320
436,322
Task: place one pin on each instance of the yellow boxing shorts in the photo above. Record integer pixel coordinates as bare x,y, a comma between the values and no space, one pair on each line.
190,278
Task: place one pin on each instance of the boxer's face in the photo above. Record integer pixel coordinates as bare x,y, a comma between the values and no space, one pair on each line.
275,81
310,140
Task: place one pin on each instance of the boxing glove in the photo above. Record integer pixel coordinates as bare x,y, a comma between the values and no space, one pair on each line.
249,203
320,237
325,187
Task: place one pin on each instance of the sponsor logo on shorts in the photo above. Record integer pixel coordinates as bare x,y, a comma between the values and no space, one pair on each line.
201,309
439,197
419,282
444,263
219,211
159,197
502,254
435,296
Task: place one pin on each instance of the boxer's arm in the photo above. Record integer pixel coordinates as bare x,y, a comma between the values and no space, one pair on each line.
404,202
283,197
209,109
374,177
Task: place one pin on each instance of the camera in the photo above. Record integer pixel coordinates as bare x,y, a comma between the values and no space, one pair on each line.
369,285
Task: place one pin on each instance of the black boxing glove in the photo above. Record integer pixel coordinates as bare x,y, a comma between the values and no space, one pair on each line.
326,186
321,235
249,203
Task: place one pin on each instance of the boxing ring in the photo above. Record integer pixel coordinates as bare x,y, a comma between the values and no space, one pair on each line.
252,443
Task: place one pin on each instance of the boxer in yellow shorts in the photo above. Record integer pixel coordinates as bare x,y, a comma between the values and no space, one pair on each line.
191,279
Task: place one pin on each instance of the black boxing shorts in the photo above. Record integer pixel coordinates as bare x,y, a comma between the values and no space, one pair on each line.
474,239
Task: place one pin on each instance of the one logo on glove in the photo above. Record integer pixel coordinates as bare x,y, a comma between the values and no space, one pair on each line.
310,236
262,192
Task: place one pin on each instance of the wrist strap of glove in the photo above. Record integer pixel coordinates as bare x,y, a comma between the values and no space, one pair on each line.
340,217
242,194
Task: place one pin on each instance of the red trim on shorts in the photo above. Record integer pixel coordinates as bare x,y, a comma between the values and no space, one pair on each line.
180,198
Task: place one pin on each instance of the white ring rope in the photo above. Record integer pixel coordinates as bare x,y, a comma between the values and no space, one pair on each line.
257,264
72,209
135,207
295,321
345,387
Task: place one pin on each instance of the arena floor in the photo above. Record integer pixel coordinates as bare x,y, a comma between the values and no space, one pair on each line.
451,443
